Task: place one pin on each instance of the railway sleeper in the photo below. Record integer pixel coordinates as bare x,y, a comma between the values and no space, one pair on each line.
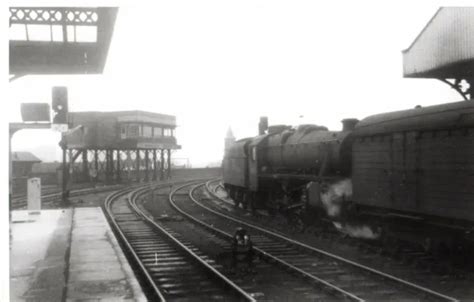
154,249
152,262
175,269
160,255
166,259
191,279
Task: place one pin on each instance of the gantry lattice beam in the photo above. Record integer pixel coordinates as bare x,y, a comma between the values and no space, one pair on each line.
59,46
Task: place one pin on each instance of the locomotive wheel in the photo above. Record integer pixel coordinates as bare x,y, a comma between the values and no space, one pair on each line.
459,255
295,221
235,194
428,245
231,193
245,200
272,212
392,245
251,203
299,225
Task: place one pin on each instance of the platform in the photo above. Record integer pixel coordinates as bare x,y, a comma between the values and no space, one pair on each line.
68,255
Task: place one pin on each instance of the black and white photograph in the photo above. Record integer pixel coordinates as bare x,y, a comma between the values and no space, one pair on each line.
238,151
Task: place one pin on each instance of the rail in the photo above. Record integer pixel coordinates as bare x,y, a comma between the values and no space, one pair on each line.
321,252
108,207
262,252
132,197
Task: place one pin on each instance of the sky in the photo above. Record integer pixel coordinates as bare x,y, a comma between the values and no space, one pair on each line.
221,64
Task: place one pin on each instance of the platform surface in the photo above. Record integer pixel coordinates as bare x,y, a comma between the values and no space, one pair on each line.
68,255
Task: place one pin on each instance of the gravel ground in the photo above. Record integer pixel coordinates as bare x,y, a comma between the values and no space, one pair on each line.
270,283
461,287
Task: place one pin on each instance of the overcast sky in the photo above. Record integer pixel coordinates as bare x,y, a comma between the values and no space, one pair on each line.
220,64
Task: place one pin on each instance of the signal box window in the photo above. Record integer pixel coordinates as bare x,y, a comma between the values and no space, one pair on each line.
123,131
147,131
157,131
132,130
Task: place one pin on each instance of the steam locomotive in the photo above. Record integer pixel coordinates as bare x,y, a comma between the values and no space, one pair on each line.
388,173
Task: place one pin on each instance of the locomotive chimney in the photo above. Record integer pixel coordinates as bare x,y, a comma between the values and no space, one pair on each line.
349,124
262,125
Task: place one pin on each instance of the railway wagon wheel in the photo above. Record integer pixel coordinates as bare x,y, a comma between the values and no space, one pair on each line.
252,199
245,200
231,192
270,203
237,197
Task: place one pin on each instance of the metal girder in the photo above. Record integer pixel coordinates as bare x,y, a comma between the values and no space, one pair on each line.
54,15
66,55
467,93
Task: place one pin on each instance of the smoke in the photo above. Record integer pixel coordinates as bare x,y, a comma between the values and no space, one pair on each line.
335,195
333,198
360,231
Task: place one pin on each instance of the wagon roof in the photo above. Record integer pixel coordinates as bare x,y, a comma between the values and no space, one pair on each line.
445,116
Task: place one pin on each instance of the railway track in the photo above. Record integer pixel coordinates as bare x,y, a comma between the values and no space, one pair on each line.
348,279
401,259
172,269
264,281
52,195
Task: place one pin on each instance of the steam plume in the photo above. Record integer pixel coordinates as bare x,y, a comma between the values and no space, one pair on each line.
335,195
357,231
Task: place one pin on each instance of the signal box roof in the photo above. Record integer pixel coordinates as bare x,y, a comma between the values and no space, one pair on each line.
133,116
444,48
60,40
122,130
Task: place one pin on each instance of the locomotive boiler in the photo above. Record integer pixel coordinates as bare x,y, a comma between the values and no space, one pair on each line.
273,170
413,169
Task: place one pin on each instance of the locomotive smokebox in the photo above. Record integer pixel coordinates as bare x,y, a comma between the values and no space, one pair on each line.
262,125
349,124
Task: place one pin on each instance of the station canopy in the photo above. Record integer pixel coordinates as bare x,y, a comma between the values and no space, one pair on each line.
445,47
60,40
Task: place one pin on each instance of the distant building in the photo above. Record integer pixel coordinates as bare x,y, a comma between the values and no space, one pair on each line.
44,168
50,172
22,163
229,139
